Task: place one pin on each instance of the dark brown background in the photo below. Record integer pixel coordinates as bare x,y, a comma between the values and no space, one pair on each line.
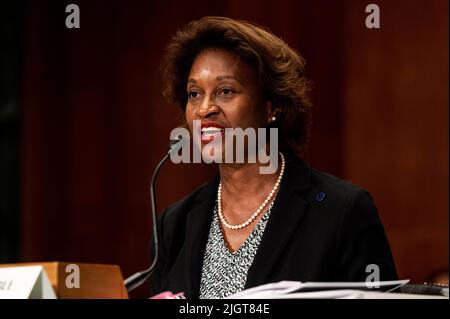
95,124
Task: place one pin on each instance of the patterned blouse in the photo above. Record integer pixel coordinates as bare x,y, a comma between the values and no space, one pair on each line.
225,273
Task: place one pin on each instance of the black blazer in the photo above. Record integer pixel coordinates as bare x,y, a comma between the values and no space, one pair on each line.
320,229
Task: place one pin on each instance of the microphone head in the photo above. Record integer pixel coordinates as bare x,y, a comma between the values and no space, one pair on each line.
175,142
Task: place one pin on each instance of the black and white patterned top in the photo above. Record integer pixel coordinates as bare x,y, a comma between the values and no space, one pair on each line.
224,272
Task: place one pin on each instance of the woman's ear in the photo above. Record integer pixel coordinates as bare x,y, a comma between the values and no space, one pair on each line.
273,112
269,111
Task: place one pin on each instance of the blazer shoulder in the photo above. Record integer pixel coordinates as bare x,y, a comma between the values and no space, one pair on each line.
343,197
334,186
346,201
180,208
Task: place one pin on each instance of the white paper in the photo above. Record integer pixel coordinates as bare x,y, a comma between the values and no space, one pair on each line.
293,289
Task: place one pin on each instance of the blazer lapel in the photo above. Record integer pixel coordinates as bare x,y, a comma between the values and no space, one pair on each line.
197,229
287,212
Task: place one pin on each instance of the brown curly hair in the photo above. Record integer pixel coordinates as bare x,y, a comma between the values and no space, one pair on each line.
280,68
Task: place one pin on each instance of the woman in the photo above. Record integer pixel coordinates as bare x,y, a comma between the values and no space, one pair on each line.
243,228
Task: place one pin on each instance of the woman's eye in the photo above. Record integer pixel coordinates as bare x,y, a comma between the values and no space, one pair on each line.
226,91
193,94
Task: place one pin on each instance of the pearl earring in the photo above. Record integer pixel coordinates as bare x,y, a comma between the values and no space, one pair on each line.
274,118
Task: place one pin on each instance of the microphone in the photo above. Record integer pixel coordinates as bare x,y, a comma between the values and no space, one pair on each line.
140,277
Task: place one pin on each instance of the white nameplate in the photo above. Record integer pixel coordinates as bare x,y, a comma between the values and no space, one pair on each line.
29,282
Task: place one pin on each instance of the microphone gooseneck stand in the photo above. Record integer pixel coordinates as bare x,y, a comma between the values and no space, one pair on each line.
140,277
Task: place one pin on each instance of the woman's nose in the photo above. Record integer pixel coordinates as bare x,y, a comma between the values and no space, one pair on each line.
207,108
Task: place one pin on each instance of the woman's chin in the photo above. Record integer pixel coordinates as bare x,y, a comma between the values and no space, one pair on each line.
212,156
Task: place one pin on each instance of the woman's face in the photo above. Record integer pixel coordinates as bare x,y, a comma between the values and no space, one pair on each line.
224,92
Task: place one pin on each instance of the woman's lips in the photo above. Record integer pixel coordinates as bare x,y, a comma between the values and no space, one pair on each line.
210,131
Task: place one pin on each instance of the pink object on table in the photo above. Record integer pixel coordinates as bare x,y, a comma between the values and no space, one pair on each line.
169,295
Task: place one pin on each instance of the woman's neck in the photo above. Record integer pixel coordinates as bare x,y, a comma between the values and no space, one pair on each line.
245,181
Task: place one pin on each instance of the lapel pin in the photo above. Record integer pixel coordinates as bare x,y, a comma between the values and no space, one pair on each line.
320,196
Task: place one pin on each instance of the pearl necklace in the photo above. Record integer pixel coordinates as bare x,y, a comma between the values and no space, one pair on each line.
260,208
